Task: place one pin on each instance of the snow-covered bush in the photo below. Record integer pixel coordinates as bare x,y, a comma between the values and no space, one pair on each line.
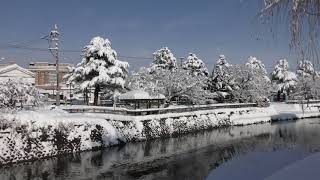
163,59
100,68
17,93
195,66
284,79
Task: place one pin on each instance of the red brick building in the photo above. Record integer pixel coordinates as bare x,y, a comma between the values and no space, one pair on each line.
46,76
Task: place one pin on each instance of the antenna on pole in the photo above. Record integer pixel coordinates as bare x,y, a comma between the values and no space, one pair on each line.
53,40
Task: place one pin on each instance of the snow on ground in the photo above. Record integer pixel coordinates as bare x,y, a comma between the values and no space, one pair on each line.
294,111
28,135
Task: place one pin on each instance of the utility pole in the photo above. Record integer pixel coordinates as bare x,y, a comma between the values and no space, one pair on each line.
53,40
181,59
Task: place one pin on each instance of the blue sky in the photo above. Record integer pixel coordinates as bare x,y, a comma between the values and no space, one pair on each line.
138,28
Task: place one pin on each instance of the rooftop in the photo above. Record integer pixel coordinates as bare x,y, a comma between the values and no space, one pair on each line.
140,95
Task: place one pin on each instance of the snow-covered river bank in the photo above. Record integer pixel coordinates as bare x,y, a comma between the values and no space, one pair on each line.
234,152
31,135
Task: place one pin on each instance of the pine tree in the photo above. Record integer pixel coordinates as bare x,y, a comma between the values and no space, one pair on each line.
283,78
195,66
220,81
255,63
100,68
163,59
305,69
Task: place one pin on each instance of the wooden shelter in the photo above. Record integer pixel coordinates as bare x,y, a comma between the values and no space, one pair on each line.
139,99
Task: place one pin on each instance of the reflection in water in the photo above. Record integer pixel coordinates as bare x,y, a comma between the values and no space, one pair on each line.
194,156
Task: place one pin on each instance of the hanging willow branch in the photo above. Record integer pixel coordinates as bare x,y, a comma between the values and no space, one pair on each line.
303,17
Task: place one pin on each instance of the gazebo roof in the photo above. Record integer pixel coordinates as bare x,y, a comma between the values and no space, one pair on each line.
140,95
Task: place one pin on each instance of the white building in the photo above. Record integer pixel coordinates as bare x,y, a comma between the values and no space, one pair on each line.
16,72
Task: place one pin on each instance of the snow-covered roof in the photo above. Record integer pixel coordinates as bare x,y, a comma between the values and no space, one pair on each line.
139,95
15,66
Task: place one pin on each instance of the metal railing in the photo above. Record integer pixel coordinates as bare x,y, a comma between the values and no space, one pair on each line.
303,101
141,112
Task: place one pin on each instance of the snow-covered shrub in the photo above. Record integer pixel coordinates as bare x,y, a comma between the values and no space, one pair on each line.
129,130
99,69
152,129
16,93
163,59
204,122
191,124
167,126
195,66
96,134
180,125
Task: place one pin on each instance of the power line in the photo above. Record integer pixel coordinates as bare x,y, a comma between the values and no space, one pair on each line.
26,43
13,46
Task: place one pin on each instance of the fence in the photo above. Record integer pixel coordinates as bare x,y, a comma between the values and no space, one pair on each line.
302,101
140,112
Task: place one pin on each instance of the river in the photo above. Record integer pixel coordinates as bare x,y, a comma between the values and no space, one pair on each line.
242,152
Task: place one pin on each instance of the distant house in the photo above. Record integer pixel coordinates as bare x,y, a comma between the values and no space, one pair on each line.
46,78
16,72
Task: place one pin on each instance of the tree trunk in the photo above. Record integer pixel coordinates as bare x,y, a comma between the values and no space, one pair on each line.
279,96
96,95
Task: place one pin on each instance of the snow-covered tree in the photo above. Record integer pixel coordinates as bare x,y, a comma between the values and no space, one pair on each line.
100,68
249,84
308,82
307,87
222,61
143,80
163,59
13,93
255,63
283,78
195,66
305,69
303,17
173,84
220,81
